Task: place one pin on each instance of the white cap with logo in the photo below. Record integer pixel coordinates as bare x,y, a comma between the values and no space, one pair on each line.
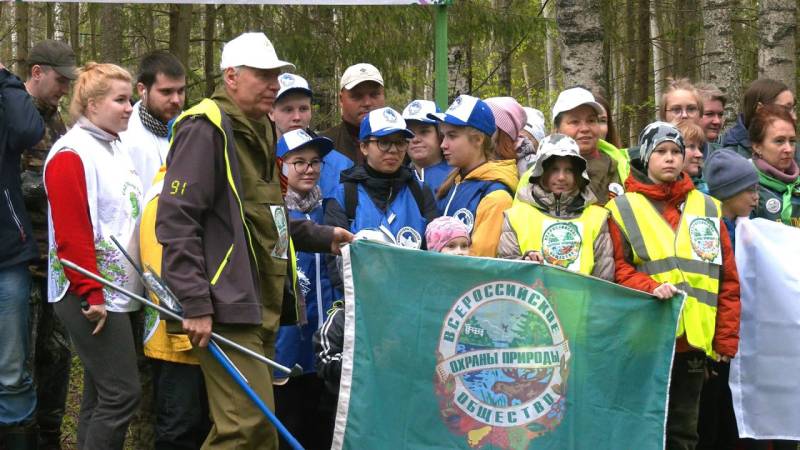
252,50
290,82
572,98
359,73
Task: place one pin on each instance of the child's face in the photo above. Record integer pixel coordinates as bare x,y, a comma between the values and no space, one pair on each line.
457,246
742,204
693,161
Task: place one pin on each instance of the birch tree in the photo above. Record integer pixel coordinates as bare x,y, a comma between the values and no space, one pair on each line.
581,32
777,23
720,67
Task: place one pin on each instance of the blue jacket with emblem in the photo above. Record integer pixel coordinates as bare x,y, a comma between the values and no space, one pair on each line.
383,200
294,342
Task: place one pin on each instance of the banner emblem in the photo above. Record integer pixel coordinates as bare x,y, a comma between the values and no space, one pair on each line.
502,365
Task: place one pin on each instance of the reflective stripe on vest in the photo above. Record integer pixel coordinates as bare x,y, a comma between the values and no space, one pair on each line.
690,258
211,111
567,243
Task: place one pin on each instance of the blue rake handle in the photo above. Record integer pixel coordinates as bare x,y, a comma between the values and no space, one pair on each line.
242,382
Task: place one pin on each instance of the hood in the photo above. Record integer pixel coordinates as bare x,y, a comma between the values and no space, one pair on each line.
673,193
9,80
565,205
503,171
737,135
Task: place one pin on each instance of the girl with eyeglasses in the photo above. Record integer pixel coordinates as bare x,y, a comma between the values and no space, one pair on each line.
382,193
299,401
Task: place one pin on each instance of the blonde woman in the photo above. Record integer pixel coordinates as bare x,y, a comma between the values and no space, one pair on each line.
94,193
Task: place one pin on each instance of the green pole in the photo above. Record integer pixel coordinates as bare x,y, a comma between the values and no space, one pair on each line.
440,54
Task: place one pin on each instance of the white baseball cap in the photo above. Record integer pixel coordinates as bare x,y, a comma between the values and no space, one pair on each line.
359,73
252,50
419,109
291,82
572,98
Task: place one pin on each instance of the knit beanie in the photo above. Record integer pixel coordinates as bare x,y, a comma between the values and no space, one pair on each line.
508,115
443,230
728,173
656,133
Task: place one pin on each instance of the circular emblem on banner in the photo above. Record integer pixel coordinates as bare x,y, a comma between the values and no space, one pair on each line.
287,79
502,365
561,244
616,188
704,237
466,217
409,237
773,205
389,115
414,108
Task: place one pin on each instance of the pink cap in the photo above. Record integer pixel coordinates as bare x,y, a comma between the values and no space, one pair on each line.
443,230
508,115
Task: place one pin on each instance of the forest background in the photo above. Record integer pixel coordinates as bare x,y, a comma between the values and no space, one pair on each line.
528,49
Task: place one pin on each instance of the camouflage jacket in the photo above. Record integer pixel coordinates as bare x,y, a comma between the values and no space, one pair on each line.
32,165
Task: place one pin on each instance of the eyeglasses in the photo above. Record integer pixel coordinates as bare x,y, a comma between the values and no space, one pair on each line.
711,114
302,166
386,146
688,111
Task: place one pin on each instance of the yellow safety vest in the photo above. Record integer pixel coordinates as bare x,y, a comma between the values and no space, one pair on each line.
620,156
690,258
159,343
567,243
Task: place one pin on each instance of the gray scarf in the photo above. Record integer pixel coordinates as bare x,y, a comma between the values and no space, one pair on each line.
304,204
152,124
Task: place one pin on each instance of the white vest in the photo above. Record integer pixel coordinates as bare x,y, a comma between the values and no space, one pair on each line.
147,151
114,194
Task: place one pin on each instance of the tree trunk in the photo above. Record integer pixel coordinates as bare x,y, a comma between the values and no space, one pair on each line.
74,10
503,8
581,34
22,24
50,20
777,24
110,44
208,47
455,69
550,56
720,66
658,61
180,27
628,71
644,116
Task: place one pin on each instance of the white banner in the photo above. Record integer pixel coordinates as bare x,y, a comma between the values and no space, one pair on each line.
268,2
764,374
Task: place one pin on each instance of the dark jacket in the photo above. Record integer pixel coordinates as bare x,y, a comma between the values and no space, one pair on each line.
199,218
21,126
328,346
344,142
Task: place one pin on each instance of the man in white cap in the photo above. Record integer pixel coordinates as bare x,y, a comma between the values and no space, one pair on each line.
361,91
222,222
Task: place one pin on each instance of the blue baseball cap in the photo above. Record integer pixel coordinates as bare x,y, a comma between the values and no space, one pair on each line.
419,109
382,122
298,139
468,111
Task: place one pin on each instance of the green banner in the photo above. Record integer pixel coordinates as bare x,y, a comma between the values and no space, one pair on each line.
447,352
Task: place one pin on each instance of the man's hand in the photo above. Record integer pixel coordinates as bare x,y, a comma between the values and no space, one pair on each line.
340,237
96,313
198,329
533,256
665,291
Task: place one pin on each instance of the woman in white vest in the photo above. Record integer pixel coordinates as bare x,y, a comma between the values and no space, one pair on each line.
94,193
554,219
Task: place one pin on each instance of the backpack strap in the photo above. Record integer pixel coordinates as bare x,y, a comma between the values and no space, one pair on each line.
350,201
416,191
